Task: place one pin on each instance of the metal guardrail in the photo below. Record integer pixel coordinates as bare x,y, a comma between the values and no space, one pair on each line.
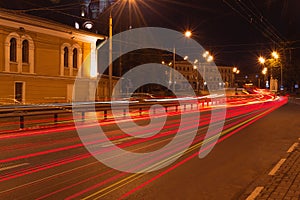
57,109
295,100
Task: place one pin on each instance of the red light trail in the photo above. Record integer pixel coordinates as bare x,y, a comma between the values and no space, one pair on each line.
239,116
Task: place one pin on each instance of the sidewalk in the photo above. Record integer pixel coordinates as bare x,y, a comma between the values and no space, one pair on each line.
282,182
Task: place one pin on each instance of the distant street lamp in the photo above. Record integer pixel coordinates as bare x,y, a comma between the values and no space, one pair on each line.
275,59
208,58
261,60
196,77
235,71
275,55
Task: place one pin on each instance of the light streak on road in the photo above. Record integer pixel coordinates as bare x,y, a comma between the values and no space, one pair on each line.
71,151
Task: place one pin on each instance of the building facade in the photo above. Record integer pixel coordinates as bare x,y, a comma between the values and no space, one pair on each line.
190,73
40,60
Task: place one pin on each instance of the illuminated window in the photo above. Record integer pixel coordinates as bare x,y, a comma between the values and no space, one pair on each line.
75,58
13,50
66,57
25,51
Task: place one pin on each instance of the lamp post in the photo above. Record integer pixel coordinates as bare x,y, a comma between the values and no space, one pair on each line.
110,53
187,34
275,55
235,71
110,25
275,59
196,77
262,61
264,72
209,58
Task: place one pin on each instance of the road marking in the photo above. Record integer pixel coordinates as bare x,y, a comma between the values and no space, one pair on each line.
276,168
292,148
255,193
111,144
12,167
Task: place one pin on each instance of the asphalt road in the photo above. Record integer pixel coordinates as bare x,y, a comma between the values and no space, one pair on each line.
53,163
234,163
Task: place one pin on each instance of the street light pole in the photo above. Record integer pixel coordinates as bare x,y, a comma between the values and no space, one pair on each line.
281,78
174,64
110,53
276,56
187,34
208,58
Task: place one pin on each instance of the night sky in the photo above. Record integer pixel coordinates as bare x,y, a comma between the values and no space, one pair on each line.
236,32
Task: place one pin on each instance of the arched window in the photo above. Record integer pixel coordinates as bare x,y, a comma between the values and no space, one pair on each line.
13,50
75,58
25,51
66,57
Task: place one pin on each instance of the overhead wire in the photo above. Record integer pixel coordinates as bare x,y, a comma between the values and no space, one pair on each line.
264,22
256,19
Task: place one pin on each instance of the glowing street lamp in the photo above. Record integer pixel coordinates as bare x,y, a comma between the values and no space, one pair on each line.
273,60
110,70
209,58
234,69
275,55
264,71
261,60
188,34
205,54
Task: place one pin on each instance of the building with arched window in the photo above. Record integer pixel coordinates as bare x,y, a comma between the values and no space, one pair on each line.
41,59
25,51
13,49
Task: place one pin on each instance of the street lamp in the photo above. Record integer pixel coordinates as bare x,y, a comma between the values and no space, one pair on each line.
196,77
261,60
110,68
235,71
209,58
275,57
187,34
264,71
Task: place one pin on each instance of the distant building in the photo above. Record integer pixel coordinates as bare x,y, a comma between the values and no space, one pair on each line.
227,75
40,59
195,79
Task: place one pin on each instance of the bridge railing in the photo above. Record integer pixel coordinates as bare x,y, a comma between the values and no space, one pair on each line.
22,117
